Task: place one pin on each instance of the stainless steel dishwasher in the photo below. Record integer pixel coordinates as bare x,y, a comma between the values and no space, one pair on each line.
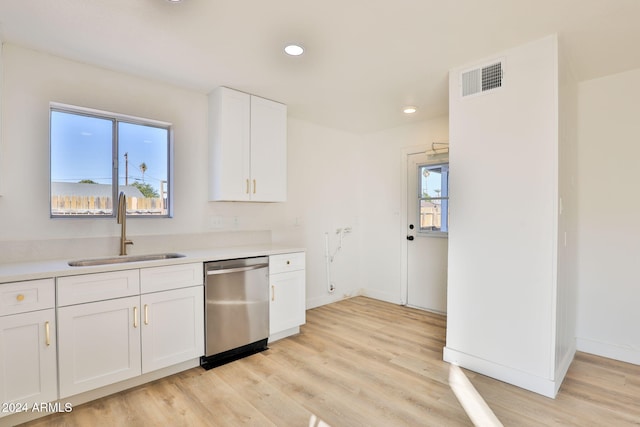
236,309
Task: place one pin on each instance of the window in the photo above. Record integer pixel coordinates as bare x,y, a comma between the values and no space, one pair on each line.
95,155
433,197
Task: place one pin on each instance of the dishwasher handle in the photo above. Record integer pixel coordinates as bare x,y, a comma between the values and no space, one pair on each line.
236,269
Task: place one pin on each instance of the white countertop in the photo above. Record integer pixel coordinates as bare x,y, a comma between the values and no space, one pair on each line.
15,272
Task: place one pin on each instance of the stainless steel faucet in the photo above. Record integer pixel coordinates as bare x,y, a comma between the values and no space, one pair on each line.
121,218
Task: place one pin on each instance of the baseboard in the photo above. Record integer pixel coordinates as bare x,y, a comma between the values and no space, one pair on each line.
563,367
441,313
333,297
543,386
393,298
626,354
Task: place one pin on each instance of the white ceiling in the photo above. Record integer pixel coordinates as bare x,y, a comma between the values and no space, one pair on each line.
364,59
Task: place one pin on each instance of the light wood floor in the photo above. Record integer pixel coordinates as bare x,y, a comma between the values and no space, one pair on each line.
360,362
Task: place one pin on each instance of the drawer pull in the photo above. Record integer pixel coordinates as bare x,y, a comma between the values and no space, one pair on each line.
135,317
247,186
47,333
273,293
146,314
254,186
20,297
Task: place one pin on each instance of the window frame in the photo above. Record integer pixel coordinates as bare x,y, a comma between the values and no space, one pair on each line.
115,119
442,165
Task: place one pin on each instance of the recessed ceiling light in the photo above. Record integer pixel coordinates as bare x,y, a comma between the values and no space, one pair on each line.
293,49
409,109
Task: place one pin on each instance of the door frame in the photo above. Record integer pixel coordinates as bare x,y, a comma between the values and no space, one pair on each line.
404,222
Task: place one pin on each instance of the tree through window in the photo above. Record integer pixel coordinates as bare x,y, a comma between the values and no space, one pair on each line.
95,155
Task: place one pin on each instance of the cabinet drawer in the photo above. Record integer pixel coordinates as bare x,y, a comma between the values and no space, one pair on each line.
21,297
286,262
97,287
168,277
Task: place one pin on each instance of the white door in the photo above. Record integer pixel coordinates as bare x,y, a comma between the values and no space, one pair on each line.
28,372
98,344
172,327
426,246
287,307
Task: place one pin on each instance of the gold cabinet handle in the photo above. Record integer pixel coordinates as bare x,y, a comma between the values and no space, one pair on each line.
47,333
20,297
254,186
247,185
146,314
135,317
273,293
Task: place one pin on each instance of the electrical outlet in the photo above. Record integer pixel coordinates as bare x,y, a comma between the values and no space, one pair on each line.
215,222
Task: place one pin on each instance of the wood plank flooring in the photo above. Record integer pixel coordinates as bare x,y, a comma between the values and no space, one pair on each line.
360,362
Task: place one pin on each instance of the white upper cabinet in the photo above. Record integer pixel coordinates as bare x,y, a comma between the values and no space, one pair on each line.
268,151
247,147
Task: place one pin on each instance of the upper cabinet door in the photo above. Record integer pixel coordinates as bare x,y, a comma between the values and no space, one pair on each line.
247,147
268,150
229,145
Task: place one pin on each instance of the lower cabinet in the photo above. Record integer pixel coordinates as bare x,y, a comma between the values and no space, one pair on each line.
104,342
28,373
98,344
288,301
172,327
28,368
287,308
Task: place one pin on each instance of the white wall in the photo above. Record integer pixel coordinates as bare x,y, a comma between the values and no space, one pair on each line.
342,180
503,236
324,192
381,207
323,177
1,99
609,213
336,179
31,81
565,311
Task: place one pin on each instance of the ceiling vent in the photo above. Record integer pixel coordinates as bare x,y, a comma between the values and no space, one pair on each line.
483,79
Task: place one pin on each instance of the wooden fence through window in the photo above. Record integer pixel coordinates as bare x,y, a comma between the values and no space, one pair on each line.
92,205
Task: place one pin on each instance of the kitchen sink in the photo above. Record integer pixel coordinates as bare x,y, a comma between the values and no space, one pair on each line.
122,259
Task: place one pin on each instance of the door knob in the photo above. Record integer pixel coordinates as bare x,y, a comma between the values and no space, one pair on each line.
410,237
